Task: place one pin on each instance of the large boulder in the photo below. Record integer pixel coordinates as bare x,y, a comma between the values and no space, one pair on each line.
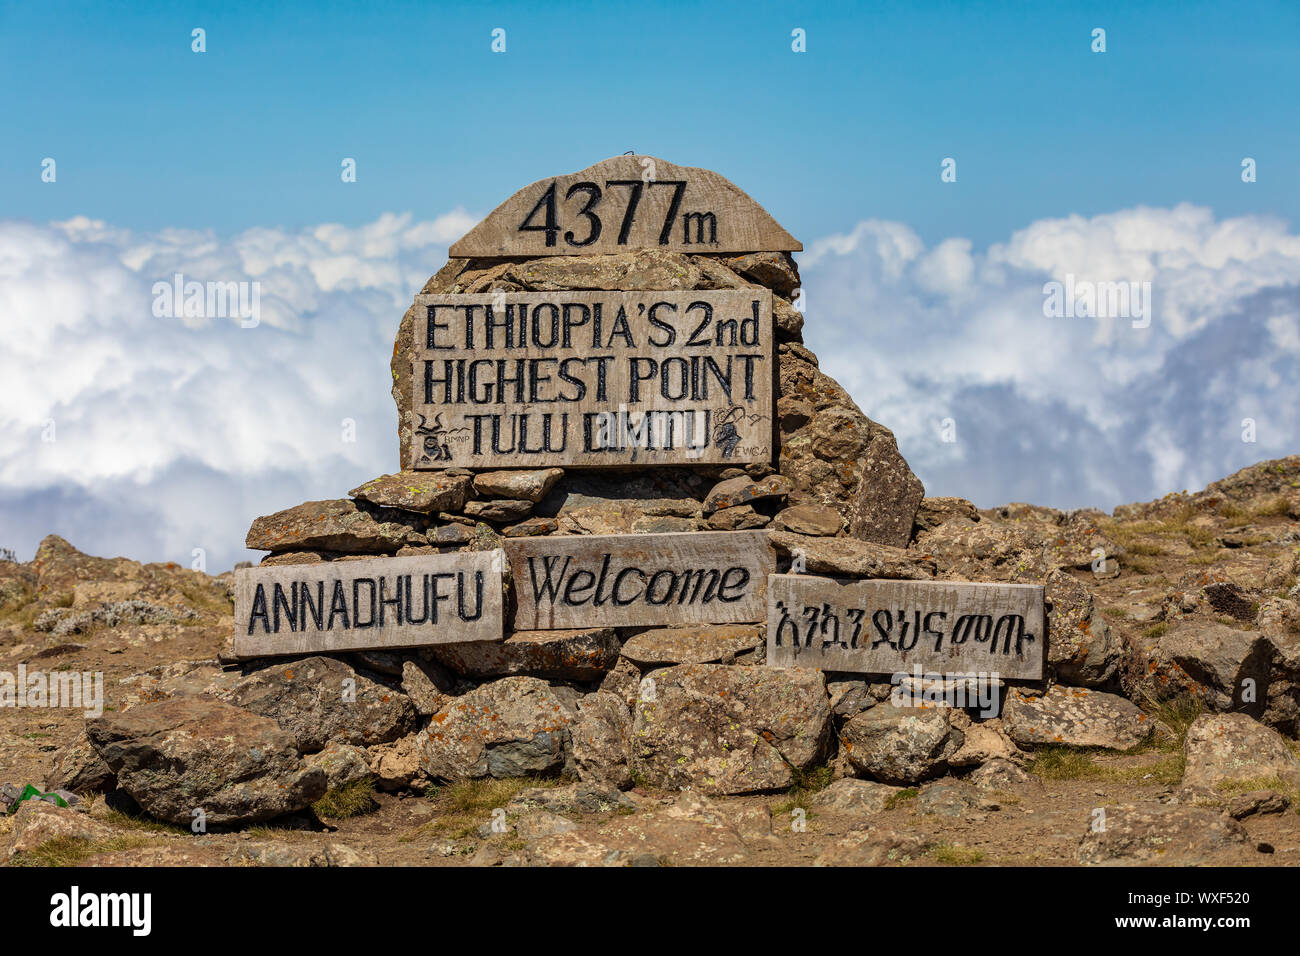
1234,748
195,753
1074,717
726,730
901,745
1226,668
512,727
320,699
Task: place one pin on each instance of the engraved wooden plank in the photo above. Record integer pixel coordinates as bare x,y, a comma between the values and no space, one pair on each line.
369,603
592,379
889,627
624,203
629,580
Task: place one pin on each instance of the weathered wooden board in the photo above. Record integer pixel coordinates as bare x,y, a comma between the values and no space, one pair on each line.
369,603
891,627
630,580
624,203
592,379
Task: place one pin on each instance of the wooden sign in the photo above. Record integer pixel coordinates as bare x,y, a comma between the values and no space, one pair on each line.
890,627
628,202
629,580
590,379
370,603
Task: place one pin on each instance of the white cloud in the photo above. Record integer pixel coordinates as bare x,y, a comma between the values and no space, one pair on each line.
173,433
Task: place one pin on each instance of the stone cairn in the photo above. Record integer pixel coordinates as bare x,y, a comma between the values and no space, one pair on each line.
711,704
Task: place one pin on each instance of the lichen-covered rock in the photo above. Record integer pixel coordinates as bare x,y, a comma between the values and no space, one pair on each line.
512,727
901,745
1203,659
1082,648
342,764
691,644
691,831
726,730
79,767
424,492
319,699
600,740
195,753
875,845
858,797
328,526
1159,833
739,518
1074,717
933,512
1232,748
582,654
37,822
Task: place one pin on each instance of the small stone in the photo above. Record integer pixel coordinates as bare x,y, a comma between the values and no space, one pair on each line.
739,518
811,520
743,490
531,528
419,491
1257,802
502,511
851,795
521,485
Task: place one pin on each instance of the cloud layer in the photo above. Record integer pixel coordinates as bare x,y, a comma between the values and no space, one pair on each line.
154,435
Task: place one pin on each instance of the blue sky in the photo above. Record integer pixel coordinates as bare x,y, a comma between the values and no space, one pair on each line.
923,298
148,134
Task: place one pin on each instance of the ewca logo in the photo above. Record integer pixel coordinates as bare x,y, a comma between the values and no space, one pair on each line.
73,909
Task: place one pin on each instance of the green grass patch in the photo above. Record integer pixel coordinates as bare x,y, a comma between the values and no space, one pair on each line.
956,855
350,800
896,800
1085,763
462,807
70,851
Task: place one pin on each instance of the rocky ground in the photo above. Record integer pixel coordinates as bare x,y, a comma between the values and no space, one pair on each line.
1166,732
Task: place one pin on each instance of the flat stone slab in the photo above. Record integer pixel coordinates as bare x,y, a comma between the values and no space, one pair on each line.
896,627
691,645
369,603
707,577
1075,717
